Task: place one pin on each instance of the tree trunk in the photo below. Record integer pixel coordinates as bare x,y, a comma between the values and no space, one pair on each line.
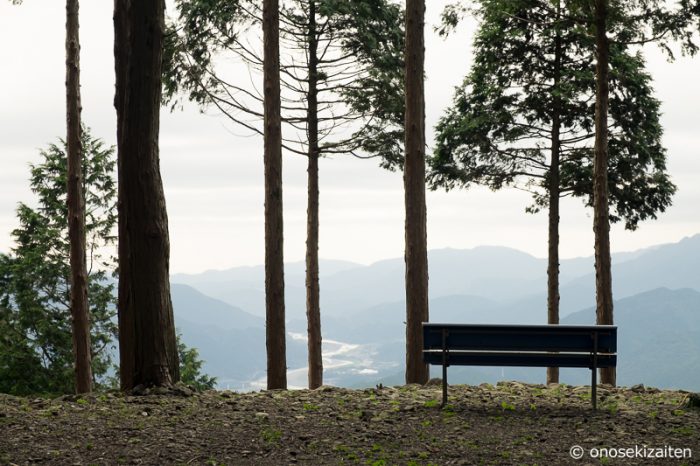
148,348
124,315
416,255
554,191
601,221
80,312
313,306
274,258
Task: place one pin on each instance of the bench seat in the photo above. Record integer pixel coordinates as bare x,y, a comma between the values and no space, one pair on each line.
578,346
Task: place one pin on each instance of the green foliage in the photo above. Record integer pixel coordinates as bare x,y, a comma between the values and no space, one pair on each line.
360,69
507,406
499,130
431,403
191,367
35,328
271,436
375,36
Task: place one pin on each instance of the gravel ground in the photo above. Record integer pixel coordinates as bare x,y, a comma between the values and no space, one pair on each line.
507,424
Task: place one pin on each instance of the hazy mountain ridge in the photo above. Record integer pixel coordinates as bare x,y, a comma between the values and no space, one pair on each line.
363,306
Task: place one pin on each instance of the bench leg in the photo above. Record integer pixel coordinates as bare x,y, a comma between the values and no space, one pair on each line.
594,382
444,385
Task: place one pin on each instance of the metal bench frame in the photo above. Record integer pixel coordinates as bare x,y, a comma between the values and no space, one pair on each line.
591,346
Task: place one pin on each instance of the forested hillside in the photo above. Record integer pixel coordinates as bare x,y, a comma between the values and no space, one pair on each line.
364,311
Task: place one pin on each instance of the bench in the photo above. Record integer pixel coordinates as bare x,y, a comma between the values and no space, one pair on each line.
590,346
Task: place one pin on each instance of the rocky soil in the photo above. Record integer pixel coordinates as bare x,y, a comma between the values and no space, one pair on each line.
509,424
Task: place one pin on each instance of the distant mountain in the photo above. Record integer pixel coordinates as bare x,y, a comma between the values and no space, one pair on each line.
363,309
245,286
672,266
255,274
191,305
658,337
229,340
499,274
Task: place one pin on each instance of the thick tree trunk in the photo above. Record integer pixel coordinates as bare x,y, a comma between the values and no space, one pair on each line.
80,312
274,258
554,192
416,255
148,348
124,315
601,221
313,306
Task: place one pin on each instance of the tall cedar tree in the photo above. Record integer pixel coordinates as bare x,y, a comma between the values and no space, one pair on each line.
274,259
335,87
416,255
76,206
35,308
531,123
313,292
147,340
601,224
635,22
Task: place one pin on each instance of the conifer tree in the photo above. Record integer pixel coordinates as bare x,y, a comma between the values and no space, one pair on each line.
524,117
35,307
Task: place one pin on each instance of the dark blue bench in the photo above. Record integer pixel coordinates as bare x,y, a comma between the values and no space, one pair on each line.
590,346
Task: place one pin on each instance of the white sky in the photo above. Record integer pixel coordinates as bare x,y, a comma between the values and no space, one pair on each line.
213,176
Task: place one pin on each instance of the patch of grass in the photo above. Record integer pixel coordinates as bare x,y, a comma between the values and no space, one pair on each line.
341,448
395,405
471,444
678,412
431,403
271,435
685,430
612,407
507,406
524,440
310,407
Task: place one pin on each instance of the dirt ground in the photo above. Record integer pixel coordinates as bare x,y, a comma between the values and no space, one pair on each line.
509,424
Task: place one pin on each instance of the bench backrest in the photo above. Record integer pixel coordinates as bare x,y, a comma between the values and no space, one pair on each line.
564,338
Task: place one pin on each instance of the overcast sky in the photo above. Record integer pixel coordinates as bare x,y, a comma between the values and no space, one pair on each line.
213,173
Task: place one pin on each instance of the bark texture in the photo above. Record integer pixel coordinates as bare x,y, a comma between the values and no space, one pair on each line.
554,182
601,221
148,350
416,255
313,305
80,311
274,258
